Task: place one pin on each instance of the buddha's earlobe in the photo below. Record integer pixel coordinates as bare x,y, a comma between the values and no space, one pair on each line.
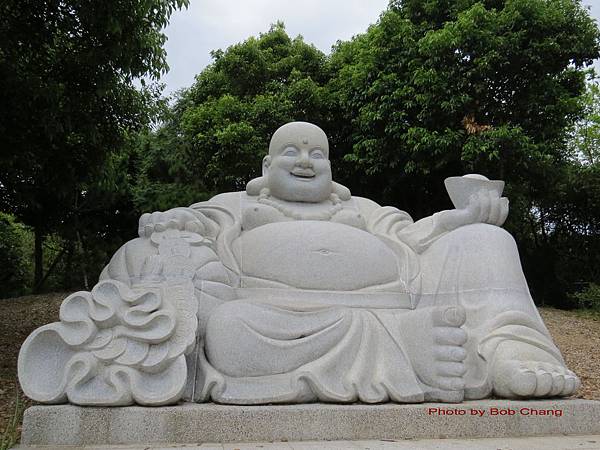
341,191
255,186
265,165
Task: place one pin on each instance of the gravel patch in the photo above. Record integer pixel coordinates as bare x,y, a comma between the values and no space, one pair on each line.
577,336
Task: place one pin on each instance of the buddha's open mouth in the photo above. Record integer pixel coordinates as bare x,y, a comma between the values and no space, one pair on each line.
303,174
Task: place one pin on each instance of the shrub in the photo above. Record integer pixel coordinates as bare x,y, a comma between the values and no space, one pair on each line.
15,249
589,298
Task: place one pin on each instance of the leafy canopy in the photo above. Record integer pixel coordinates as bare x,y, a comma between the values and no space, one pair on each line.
67,100
437,88
216,134
67,96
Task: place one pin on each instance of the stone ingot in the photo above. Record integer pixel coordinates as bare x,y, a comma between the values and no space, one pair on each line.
460,189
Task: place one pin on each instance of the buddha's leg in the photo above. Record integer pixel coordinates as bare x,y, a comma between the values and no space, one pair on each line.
348,354
510,351
252,339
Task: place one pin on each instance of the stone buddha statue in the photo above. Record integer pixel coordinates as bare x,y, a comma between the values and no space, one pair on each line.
296,291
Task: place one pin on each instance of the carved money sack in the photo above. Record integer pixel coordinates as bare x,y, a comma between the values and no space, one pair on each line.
295,291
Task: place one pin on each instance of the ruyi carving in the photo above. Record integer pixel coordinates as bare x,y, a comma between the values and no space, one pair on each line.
295,291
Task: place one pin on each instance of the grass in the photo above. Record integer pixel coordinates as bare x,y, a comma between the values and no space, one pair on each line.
593,314
11,434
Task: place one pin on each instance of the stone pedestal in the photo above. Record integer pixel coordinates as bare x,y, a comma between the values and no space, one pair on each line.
198,423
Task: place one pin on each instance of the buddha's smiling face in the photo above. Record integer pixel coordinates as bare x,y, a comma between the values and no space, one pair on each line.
297,167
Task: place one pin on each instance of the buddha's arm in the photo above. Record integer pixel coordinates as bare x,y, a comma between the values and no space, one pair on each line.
204,221
183,219
398,225
184,245
482,208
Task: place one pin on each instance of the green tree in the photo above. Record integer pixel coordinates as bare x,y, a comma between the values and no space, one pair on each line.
163,179
572,214
67,98
437,88
216,134
14,250
585,138
105,217
440,88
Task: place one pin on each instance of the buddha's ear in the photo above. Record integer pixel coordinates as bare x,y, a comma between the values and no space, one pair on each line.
265,165
255,186
342,191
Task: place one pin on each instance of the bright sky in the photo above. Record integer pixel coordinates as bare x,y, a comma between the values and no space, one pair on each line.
216,24
212,24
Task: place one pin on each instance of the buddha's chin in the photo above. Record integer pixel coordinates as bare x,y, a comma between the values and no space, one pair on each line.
300,189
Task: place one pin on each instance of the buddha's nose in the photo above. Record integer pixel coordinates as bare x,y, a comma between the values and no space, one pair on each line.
304,161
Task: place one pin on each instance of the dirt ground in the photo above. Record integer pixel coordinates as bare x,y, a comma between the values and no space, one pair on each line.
577,336
18,318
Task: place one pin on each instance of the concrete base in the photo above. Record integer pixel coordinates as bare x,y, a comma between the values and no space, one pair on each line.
198,423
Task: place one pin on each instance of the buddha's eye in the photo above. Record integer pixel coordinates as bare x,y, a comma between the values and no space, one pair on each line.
317,154
290,151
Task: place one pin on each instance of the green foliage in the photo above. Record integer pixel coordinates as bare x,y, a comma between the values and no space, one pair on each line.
558,231
437,88
103,218
589,298
67,98
66,70
560,237
10,435
15,256
163,180
585,139
216,134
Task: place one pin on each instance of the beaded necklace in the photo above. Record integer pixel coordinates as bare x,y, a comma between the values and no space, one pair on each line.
266,199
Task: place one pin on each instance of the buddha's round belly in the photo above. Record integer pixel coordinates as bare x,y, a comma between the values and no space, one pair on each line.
316,255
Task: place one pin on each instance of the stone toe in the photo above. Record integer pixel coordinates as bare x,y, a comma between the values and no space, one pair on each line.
515,379
451,369
572,383
544,383
569,386
512,379
523,383
449,316
451,383
558,384
577,383
449,336
451,353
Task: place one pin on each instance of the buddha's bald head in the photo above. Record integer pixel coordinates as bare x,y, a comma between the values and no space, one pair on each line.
297,167
299,134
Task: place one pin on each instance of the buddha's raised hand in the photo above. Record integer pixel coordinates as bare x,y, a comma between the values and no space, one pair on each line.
184,219
483,207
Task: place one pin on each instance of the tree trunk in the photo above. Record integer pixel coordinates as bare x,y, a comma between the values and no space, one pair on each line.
38,260
51,268
83,265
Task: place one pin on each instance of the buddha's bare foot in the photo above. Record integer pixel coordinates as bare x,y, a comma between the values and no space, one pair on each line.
435,342
521,370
